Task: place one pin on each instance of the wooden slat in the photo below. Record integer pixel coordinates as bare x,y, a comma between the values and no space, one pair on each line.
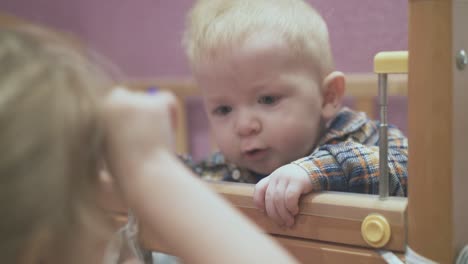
365,104
430,95
10,20
309,251
365,85
327,216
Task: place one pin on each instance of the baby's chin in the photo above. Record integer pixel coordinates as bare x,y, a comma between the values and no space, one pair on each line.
263,170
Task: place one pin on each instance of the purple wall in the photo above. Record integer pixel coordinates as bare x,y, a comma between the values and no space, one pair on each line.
361,28
143,37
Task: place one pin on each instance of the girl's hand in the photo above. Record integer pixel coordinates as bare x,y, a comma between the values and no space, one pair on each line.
137,127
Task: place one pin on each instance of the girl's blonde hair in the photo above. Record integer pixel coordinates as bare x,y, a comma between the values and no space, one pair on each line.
215,24
50,140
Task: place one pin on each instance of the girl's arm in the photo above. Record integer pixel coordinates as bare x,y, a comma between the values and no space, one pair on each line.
184,213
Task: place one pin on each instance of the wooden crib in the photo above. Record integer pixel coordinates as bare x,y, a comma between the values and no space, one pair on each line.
328,228
431,223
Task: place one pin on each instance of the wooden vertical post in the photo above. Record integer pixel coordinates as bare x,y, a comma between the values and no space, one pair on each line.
430,130
436,155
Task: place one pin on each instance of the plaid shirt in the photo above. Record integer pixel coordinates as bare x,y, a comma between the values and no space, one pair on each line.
346,159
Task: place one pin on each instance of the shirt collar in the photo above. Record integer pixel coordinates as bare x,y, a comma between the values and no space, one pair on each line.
345,122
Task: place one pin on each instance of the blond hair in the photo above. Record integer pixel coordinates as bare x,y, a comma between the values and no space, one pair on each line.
212,24
50,139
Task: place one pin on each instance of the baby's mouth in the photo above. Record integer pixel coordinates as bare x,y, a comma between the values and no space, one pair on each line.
255,154
252,152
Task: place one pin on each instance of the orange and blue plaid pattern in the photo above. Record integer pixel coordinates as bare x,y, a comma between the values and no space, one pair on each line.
345,159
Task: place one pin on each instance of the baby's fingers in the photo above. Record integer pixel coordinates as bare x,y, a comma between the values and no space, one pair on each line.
292,194
279,200
270,204
259,193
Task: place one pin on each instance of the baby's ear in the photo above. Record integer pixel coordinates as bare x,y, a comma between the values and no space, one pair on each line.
333,92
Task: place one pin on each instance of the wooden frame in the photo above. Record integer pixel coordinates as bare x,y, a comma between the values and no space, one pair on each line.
436,211
328,226
438,159
436,214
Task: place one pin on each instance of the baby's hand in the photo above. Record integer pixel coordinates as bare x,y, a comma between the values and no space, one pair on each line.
279,193
137,126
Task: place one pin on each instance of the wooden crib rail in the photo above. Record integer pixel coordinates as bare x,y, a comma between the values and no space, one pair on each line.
327,227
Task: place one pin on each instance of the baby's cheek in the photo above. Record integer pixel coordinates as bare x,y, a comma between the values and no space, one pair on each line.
226,143
299,141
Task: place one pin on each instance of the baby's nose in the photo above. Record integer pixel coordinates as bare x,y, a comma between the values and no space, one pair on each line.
248,125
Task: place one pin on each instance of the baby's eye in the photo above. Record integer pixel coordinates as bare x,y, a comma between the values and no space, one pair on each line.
222,110
268,99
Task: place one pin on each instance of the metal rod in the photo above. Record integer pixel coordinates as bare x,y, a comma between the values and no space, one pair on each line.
383,137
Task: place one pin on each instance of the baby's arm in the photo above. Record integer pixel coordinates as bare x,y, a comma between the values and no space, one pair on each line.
347,166
176,206
354,167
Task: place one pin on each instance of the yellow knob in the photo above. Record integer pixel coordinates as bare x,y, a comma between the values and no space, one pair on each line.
375,230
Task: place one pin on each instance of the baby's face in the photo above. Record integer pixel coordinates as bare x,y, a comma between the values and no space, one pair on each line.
263,104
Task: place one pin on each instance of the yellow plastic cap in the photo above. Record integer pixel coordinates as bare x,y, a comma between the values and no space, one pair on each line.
391,62
375,230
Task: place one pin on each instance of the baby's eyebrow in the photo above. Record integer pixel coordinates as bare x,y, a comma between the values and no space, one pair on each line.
264,84
276,87
216,99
